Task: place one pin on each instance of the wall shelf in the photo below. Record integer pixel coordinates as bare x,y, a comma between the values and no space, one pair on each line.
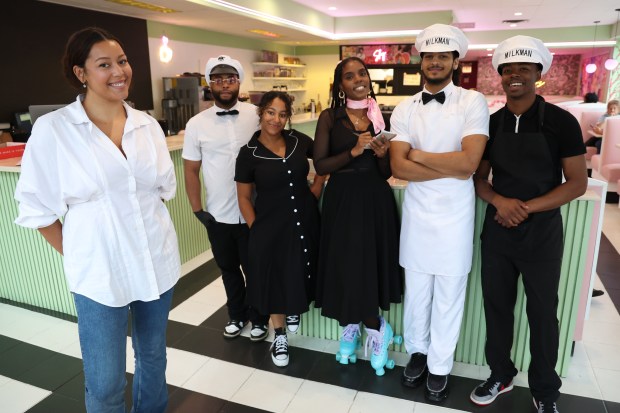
278,64
278,78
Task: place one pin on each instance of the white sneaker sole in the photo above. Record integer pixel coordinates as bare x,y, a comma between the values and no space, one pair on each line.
279,363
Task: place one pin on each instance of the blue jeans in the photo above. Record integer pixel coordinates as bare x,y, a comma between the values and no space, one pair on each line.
103,338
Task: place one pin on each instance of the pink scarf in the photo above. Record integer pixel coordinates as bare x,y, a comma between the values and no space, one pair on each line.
373,113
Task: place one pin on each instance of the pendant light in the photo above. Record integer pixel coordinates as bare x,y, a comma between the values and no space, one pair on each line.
611,63
591,67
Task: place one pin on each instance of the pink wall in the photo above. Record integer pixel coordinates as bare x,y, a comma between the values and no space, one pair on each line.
595,82
567,77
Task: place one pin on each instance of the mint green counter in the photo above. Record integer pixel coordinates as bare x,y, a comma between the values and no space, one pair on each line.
577,218
31,271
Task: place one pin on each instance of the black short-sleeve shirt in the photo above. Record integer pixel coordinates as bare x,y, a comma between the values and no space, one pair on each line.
560,128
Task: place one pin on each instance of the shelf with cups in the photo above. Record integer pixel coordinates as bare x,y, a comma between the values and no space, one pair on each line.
279,76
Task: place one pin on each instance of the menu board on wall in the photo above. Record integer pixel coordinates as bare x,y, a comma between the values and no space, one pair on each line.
387,54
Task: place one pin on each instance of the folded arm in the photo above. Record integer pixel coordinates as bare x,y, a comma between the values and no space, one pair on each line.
457,163
405,168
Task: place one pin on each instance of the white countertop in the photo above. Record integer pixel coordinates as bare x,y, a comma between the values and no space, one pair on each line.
303,118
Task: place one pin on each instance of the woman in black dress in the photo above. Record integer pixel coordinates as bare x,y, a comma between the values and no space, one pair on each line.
283,219
358,269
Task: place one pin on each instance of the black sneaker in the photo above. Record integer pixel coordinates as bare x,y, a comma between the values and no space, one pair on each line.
415,371
436,387
597,293
546,407
259,332
292,323
487,392
279,349
233,328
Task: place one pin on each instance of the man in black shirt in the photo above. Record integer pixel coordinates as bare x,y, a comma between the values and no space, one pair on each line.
532,145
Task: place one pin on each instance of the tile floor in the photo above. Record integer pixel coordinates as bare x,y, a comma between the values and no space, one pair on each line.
40,366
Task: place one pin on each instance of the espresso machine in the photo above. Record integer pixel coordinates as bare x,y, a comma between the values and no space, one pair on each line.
182,95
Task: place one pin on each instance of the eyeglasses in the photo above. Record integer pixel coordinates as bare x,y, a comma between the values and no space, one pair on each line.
219,81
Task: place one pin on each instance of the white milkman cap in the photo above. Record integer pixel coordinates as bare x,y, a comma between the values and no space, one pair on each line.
522,49
214,63
442,38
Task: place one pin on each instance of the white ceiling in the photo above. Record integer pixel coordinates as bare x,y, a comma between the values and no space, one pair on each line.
486,15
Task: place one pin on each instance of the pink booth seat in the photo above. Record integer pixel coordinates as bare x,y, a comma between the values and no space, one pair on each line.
586,113
587,119
606,166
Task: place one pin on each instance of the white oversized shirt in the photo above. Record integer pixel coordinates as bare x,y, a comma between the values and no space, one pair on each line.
216,140
438,215
119,242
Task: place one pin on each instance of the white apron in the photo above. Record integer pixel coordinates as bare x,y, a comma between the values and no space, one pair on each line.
438,215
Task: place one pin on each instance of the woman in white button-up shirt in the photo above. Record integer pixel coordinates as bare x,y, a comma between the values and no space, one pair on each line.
104,169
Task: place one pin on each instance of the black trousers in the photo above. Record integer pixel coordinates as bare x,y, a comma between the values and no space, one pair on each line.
229,243
500,274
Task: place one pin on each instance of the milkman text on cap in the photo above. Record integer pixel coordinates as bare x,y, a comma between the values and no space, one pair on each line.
522,49
223,65
442,38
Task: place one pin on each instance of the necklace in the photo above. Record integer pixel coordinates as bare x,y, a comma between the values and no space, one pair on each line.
357,120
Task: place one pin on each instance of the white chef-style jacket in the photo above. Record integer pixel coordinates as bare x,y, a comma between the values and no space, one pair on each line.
216,140
119,242
438,215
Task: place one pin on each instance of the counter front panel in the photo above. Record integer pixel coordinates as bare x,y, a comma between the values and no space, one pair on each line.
31,271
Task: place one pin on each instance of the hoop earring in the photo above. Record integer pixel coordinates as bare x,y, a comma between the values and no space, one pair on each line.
341,96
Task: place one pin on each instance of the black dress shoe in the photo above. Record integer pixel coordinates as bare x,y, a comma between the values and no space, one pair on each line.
415,371
436,388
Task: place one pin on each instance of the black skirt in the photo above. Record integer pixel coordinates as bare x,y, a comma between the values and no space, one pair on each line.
358,270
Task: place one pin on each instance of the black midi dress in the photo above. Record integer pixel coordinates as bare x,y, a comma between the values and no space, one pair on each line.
284,237
358,270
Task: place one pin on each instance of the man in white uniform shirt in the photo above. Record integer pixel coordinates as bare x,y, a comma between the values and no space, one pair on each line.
212,141
441,135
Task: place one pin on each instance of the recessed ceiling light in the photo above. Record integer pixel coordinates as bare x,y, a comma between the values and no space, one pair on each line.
513,24
332,8
518,13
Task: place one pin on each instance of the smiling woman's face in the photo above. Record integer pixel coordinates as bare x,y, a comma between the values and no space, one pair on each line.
107,72
355,81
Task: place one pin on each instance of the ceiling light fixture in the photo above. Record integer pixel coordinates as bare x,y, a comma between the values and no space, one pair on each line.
513,24
518,13
143,5
611,63
265,33
332,8
591,67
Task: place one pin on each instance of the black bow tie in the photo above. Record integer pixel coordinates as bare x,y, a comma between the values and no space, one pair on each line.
227,112
439,97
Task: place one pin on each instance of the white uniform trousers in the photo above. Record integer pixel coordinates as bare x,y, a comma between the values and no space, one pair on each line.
433,311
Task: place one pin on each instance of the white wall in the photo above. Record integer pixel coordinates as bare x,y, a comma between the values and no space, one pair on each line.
320,73
192,57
